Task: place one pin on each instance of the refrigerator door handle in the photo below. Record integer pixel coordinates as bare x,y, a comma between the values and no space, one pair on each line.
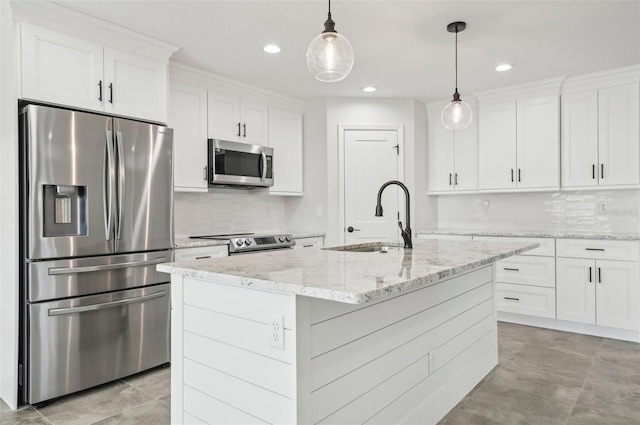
107,190
102,267
121,181
102,306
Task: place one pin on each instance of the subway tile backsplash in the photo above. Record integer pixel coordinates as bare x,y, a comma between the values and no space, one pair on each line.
228,211
574,211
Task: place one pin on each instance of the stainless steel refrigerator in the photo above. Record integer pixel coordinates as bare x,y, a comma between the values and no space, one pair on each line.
96,200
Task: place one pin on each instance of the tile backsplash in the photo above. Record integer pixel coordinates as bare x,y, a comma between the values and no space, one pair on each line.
228,211
574,211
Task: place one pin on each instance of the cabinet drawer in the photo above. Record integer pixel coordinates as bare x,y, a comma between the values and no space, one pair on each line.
598,249
530,300
531,270
445,237
547,245
201,253
315,241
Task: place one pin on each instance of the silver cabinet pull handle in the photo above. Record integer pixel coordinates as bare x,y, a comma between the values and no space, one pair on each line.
204,173
87,269
102,306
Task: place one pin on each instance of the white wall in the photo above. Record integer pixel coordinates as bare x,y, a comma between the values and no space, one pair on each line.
228,211
573,211
309,212
8,208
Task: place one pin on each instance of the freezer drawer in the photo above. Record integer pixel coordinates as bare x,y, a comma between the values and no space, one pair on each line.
82,342
49,280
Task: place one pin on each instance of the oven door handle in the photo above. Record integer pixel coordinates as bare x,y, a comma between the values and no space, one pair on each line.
103,267
264,166
102,306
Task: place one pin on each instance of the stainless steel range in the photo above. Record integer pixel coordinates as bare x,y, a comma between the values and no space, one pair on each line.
245,243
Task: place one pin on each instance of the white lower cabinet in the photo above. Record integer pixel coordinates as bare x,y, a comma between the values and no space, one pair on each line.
599,292
525,299
200,253
311,242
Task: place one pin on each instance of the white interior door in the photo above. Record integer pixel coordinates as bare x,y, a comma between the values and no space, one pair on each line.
371,158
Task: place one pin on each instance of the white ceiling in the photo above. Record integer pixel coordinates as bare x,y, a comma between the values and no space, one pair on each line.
402,47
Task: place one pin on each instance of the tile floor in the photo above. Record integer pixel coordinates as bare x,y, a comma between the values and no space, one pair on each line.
544,377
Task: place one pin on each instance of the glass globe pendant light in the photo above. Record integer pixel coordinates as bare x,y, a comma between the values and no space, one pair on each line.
456,115
330,55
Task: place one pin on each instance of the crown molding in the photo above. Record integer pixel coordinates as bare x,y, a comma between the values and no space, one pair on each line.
607,78
546,87
56,17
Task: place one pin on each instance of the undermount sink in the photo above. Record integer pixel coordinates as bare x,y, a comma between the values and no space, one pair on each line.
383,248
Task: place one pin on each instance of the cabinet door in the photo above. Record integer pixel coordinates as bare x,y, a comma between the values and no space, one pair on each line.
538,146
441,156
618,135
135,86
617,294
61,69
579,143
188,118
223,117
575,290
285,137
497,146
466,158
255,124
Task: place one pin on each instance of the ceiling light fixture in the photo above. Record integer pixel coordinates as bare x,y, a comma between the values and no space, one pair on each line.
504,67
272,48
369,89
456,115
330,55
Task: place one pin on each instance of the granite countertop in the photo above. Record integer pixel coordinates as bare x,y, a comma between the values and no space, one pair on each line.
186,242
349,277
633,236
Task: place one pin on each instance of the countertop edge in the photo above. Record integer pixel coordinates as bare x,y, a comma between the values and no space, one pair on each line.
534,234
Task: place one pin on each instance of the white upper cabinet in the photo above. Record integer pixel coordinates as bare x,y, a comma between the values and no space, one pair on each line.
453,156
519,143
497,146
188,118
600,130
237,120
285,137
69,71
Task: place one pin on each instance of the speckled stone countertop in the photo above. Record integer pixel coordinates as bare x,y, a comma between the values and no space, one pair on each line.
349,277
186,242
629,236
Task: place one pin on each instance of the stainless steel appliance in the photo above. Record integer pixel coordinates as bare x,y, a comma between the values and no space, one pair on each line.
241,165
244,243
96,201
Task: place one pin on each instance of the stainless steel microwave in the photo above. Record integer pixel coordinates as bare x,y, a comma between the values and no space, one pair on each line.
239,164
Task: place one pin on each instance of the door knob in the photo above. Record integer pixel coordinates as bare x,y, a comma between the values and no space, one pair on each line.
350,229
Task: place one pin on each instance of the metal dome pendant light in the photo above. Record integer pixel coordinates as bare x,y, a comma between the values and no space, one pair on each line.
330,55
456,115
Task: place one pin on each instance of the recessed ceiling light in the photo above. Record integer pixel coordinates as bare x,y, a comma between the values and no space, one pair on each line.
272,48
369,89
504,67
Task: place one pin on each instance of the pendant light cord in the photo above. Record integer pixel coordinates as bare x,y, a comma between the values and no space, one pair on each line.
456,57
329,9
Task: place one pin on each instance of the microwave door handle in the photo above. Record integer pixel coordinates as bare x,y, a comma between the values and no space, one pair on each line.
121,181
264,166
108,168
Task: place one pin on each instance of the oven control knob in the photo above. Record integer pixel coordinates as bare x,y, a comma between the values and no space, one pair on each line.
281,238
288,238
247,242
239,242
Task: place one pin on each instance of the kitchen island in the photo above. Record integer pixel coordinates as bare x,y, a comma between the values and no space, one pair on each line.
325,336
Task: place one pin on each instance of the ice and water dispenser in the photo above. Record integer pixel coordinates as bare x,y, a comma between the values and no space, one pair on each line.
65,210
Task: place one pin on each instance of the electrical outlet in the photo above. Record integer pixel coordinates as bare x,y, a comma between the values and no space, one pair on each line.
485,207
267,212
432,361
603,207
276,331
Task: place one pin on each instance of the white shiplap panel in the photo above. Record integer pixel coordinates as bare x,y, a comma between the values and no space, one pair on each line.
242,333
215,412
245,396
243,302
268,373
322,310
333,333
429,401
333,364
